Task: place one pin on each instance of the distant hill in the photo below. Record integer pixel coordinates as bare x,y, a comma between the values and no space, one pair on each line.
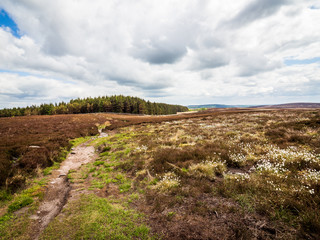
290,105
217,106
286,105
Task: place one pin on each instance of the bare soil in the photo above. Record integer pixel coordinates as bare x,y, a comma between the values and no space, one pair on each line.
60,189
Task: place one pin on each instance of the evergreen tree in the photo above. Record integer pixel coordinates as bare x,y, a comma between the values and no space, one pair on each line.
115,103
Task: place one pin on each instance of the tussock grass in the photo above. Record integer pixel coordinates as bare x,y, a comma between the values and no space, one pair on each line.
207,169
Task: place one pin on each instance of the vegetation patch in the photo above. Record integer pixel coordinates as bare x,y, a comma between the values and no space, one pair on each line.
48,170
207,169
168,182
15,224
92,217
250,174
19,203
234,164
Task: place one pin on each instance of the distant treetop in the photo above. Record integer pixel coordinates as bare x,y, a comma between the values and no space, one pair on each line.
115,103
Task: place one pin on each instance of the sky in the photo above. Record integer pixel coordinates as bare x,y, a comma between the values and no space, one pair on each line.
173,51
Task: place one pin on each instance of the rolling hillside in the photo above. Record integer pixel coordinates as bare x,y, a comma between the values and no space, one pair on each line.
285,105
291,105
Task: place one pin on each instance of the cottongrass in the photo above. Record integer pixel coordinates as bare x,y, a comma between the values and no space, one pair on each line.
292,154
238,158
310,177
169,181
141,148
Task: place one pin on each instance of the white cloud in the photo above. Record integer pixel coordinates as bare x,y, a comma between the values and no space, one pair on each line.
24,89
174,51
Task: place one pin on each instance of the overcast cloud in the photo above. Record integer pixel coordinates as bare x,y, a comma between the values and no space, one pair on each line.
174,51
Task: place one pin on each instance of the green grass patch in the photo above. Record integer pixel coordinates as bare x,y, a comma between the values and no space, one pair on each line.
5,195
132,197
106,149
123,182
20,202
14,227
125,187
76,142
104,154
27,196
48,170
92,217
100,141
34,191
98,163
5,222
97,184
63,154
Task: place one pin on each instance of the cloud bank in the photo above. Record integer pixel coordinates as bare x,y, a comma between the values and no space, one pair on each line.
185,52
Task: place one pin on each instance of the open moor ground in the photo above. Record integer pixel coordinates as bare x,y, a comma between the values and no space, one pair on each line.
236,174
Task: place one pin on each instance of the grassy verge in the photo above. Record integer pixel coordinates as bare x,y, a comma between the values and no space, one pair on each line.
76,142
15,224
93,217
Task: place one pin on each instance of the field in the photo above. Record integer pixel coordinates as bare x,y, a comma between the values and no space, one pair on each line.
32,142
236,174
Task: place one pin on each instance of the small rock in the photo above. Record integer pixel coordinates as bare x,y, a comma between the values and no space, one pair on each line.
38,212
34,147
34,217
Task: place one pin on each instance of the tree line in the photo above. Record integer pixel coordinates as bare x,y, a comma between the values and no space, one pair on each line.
115,103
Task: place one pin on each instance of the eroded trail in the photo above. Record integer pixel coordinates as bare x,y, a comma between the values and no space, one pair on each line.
59,187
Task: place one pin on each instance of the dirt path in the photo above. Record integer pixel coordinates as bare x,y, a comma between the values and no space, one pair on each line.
58,191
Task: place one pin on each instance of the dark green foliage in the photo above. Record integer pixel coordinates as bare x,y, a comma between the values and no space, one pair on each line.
106,149
21,202
5,195
116,103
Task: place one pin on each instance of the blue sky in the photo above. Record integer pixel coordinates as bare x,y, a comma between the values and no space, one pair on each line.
290,62
7,21
185,52
15,72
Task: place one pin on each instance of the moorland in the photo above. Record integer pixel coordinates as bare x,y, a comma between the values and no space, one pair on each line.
215,174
